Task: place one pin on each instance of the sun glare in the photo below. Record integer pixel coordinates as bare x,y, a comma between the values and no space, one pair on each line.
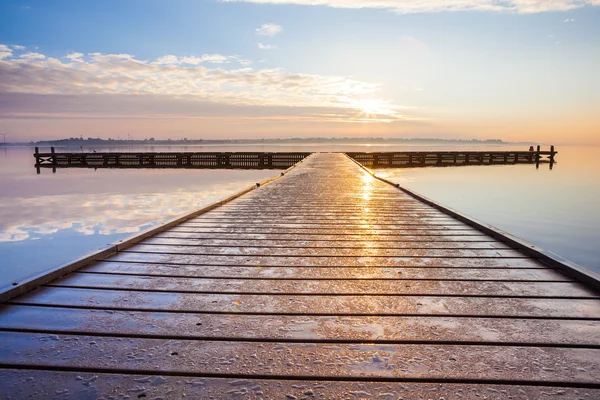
373,110
371,107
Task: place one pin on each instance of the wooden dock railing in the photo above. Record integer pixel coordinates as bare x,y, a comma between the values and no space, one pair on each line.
216,160
258,160
407,159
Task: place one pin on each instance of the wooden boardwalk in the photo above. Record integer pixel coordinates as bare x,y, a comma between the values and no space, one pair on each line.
326,283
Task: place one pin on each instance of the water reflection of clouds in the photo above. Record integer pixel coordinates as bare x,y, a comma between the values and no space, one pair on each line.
101,214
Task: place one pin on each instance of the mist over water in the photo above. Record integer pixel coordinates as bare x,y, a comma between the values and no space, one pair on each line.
49,219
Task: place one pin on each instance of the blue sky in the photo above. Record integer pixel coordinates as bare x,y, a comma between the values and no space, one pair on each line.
511,69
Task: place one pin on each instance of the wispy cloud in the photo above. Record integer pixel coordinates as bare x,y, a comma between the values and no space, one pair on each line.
75,56
170,85
193,60
568,20
32,56
269,30
263,46
425,6
167,60
5,51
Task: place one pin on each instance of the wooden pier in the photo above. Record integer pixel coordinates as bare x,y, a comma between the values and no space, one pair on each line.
197,160
203,160
325,283
413,159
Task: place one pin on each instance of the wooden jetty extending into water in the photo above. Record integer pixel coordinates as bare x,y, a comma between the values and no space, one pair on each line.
408,159
257,160
326,283
204,160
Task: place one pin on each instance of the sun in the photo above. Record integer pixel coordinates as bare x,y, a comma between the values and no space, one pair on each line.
373,110
370,106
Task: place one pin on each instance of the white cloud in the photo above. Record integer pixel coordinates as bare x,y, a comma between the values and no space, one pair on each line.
167,60
569,20
424,6
16,47
33,56
206,58
193,60
269,30
266,46
75,56
5,51
149,87
242,61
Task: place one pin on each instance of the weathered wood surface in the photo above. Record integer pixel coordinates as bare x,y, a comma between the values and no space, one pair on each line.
325,284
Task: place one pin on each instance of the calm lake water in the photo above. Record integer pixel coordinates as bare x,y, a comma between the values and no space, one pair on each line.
49,219
558,209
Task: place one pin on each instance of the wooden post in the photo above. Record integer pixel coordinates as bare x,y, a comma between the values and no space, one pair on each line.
53,160
552,153
37,159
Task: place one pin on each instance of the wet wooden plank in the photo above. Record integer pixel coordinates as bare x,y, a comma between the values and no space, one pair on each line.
334,329
413,231
325,220
261,272
325,262
324,252
337,287
300,243
305,279
19,384
366,237
391,203
324,209
310,360
314,304
375,225
379,194
328,214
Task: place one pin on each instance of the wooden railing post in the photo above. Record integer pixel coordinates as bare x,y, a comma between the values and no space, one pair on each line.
53,160
37,159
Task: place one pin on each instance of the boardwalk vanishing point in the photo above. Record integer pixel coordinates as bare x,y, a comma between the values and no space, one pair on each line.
326,283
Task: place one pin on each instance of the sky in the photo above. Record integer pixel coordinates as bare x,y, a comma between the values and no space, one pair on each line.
516,70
